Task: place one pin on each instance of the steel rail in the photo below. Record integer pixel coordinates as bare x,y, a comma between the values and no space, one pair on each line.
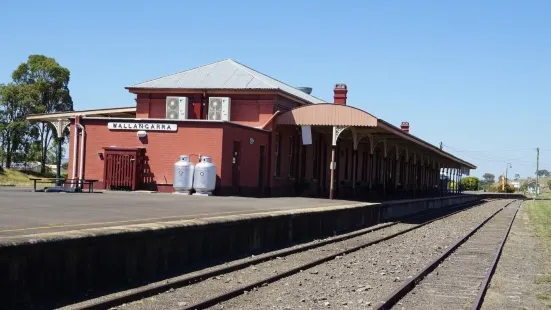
482,291
403,290
162,286
238,291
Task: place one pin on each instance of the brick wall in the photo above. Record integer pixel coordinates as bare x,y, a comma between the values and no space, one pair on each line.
284,183
246,109
162,148
248,160
216,140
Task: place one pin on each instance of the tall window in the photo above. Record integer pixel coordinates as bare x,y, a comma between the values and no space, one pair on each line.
291,162
346,164
277,169
315,162
364,166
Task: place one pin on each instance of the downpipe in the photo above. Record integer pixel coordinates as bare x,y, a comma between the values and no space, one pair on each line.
75,148
81,160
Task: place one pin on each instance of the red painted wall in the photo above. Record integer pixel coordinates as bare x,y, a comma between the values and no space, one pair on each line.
164,148
214,139
249,159
282,184
246,109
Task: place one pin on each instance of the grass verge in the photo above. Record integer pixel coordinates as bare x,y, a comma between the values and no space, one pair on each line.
13,177
540,218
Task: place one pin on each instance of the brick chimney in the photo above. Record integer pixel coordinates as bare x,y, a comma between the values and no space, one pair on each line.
405,126
340,92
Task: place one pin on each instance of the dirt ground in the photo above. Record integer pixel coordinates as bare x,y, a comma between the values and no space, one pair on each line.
523,276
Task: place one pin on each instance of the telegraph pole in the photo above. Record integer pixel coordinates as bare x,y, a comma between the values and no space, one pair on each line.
537,170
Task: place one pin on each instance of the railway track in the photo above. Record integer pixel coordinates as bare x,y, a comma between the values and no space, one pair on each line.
334,247
459,278
383,232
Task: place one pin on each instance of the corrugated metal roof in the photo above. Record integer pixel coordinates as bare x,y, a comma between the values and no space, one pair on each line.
327,115
225,74
343,115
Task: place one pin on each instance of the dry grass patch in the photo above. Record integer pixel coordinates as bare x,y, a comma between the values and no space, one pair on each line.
13,177
540,218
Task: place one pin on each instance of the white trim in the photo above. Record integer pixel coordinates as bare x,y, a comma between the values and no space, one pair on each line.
141,126
163,120
128,119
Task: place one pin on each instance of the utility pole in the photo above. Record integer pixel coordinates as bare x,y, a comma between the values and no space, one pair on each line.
506,171
537,170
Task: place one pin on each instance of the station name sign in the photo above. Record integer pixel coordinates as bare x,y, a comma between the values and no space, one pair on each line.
142,126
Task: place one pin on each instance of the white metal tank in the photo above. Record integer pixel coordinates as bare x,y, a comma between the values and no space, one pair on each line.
183,175
204,180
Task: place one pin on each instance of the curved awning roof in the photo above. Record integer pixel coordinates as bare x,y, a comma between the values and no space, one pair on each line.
347,116
327,115
111,112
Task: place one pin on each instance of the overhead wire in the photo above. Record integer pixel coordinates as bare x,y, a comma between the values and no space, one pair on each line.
494,159
480,157
456,149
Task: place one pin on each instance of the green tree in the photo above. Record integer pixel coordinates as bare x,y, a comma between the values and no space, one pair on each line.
52,151
507,189
452,186
524,187
49,82
15,104
517,177
543,173
470,183
32,150
489,178
2,151
549,184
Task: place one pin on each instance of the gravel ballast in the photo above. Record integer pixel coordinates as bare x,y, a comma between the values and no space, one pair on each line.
353,281
514,281
456,282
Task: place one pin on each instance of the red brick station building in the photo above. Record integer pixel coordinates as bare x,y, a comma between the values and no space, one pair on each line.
265,137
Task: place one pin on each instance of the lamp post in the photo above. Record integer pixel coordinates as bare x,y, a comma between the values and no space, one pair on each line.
506,170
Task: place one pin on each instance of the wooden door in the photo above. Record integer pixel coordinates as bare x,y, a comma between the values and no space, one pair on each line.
325,162
235,167
262,172
121,169
302,175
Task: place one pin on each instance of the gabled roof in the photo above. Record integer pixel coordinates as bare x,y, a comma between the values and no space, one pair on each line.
111,112
225,74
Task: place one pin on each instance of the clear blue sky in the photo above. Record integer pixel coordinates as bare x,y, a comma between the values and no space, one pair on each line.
473,74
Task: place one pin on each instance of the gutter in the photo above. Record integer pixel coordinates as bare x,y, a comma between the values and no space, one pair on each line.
387,126
269,121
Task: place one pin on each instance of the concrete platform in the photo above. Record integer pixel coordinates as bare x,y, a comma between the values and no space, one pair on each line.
58,249
26,213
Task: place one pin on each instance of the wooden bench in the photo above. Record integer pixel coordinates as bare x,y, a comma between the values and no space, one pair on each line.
45,180
80,184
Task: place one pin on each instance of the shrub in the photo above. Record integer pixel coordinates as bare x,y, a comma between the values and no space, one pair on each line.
524,187
508,189
470,183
